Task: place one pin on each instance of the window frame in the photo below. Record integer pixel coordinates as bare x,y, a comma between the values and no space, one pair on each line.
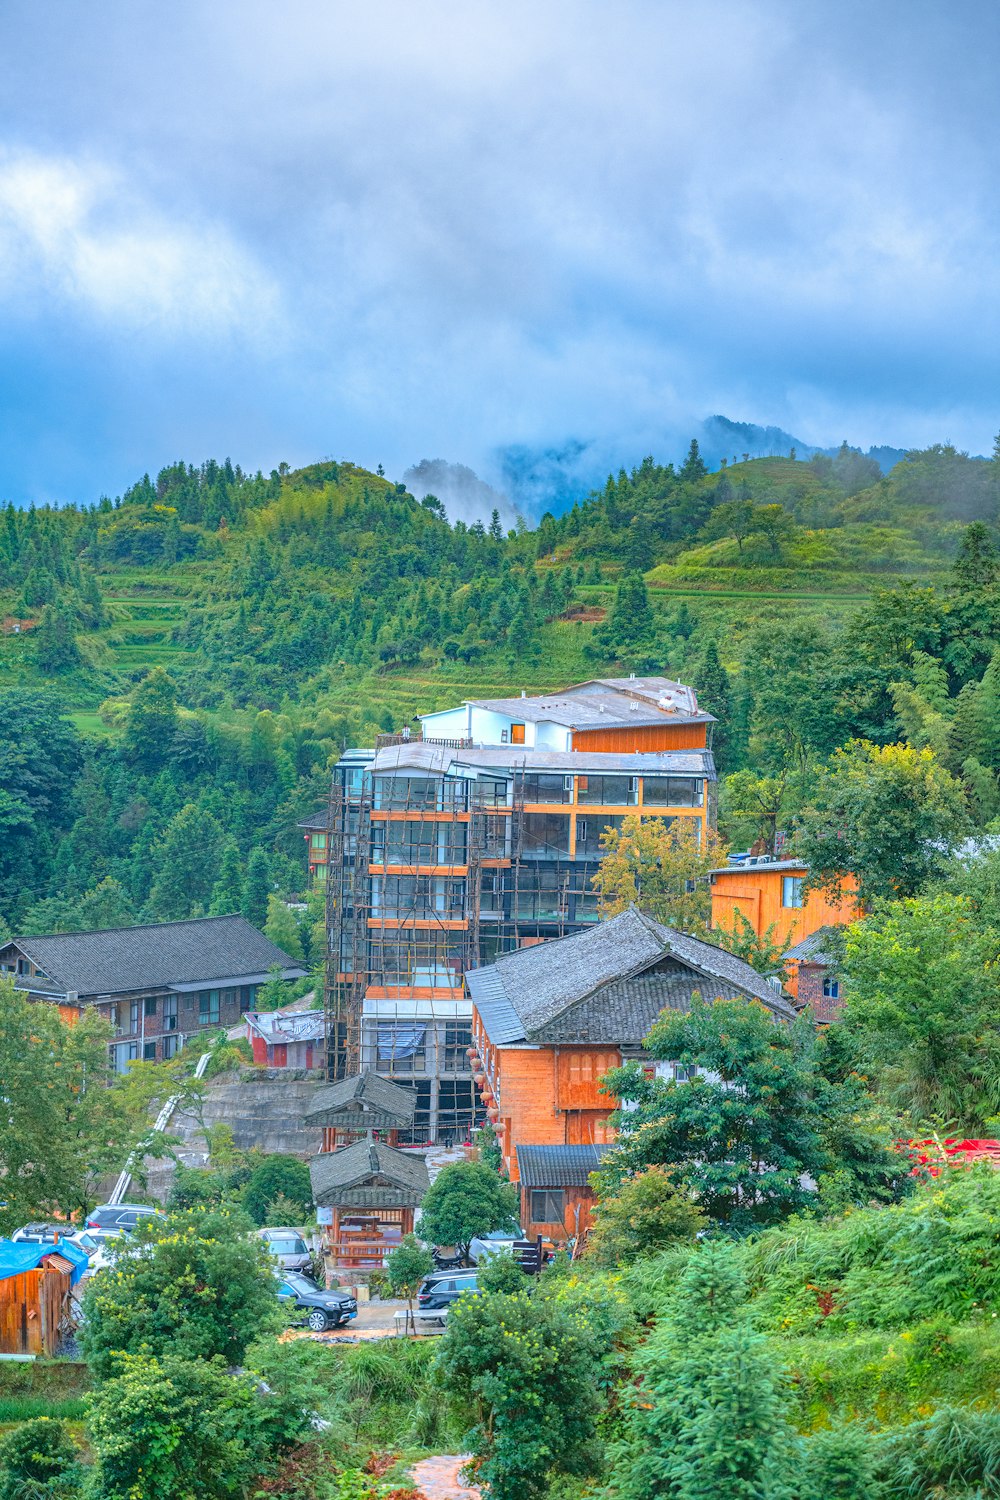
546,1198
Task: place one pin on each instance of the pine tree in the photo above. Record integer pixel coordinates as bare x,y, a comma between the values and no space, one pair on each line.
186,860
694,467
152,719
977,564
257,888
282,928
56,650
715,696
227,893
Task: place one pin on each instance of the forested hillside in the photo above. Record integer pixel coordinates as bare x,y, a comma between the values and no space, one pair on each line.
180,665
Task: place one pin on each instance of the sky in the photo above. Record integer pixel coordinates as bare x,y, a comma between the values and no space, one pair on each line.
489,233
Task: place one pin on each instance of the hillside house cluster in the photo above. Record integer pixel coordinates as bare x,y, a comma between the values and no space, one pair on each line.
479,835
158,985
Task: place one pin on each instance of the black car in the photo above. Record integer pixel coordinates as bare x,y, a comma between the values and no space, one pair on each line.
442,1288
322,1309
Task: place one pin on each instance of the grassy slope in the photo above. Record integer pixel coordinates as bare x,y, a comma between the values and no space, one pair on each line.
827,573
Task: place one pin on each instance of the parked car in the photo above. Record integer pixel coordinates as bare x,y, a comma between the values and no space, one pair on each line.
44,1234
288,1248
442,1288
321,1309
123,1216
485,1245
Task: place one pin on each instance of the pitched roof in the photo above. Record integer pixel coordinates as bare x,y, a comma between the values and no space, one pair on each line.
362,1093
760,866
558,1166
277,1026
814,949
609,983
357,1167
163,955
604,702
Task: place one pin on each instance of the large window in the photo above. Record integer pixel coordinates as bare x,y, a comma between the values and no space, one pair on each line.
418,793
831,988
401,1047
539,787
547,1206
608,791
541,894
208,1008
170,1013
454,1053
423,961
418,843
418,896
672,791
546,836
588,833
791,890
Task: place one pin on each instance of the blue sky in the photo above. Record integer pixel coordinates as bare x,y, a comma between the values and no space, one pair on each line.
395,231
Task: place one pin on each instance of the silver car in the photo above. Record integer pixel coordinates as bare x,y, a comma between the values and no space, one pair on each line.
288,1248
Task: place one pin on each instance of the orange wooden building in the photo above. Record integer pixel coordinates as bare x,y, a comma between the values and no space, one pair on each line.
771,895
550,1021
35,1285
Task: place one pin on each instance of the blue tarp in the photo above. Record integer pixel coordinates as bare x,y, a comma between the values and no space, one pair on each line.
15,1258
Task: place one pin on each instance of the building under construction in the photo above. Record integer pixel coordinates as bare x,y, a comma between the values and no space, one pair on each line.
476,836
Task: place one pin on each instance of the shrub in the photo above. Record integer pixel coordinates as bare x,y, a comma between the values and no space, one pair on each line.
194,1285
39,1458
278,1176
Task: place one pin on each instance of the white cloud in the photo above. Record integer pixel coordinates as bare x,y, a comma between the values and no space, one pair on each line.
79,232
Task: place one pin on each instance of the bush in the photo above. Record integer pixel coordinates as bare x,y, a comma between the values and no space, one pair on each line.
466,1199
278,1176
193,1285
39,1458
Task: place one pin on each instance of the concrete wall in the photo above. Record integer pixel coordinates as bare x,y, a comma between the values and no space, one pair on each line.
263,1110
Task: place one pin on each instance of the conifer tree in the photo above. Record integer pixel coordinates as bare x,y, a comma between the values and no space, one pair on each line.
227,893
186,860
257,888
152,719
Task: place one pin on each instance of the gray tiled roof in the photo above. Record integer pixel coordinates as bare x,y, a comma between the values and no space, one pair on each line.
589,981
165,955
604,702
359,1165
350,1095
813,949
558,1166
766,865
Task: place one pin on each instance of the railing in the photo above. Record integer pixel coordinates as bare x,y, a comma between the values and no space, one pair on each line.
416,737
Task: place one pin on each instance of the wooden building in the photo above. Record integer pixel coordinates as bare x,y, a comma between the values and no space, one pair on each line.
156,984
35,1285
372,1191
357,1107
551,1020
771,895
814,975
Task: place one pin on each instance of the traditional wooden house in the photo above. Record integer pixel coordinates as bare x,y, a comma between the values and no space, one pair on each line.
366,1104
286,1038
157,984
372,1192
814,974
35,1285
771,895
551,1020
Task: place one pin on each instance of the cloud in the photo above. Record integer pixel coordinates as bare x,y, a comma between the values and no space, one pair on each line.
463,494
78,232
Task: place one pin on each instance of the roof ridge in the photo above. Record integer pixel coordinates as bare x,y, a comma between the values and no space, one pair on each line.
235,916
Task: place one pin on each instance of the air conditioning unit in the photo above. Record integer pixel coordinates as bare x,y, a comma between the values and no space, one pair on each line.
72,997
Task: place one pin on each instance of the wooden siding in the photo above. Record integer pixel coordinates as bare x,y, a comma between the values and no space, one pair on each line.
30,1309
756,892
643,737
576,1219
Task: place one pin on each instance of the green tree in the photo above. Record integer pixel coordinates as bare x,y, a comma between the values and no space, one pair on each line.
764,952
406,1267
69,1120
187,860
56,650
278,1176
758,1118
753,807
227,893
257,889
107,905
923,999
282,928
168,1428
40,758
888,815
152,720
529,1367
660,867
467,1199
194,1285
639,1215
712,1423
715,696
629,631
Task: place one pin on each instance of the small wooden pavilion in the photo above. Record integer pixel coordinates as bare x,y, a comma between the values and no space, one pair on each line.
371,1190
363,1105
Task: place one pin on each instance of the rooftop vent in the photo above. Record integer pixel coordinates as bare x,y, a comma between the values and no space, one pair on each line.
524,693
633,708
631,677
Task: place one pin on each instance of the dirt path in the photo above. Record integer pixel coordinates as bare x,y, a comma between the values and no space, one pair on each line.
438,1479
